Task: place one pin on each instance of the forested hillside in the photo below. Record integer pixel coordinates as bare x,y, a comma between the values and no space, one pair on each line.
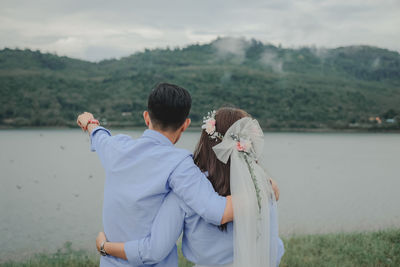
345,87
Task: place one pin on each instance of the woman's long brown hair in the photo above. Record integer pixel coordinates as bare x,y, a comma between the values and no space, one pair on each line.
205,158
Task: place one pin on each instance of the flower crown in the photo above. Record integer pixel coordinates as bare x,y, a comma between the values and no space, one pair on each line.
209,126
242,144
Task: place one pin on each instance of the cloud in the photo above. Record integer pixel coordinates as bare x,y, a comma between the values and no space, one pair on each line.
234,48
271,59
98,29
226,77
376,63
320,52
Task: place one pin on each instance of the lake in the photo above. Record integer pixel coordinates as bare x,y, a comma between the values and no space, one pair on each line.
52,186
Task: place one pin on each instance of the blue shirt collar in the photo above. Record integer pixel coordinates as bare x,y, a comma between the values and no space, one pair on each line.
159,137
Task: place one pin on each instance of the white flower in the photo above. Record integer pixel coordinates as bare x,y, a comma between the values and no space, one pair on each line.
209,126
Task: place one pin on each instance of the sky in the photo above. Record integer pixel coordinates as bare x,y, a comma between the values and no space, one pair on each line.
96,29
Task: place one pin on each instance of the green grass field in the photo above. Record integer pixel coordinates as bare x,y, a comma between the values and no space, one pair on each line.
352,249
355,249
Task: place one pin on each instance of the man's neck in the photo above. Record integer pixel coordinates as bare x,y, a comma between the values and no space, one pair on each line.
172,136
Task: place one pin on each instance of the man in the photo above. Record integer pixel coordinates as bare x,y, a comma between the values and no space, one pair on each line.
141,172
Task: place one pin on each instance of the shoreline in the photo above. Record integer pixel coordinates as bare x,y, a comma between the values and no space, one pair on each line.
197,128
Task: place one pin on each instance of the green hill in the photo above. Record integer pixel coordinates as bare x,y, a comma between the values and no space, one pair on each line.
284,88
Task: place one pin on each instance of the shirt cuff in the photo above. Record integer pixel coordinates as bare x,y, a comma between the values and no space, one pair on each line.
216,210
92,136
132,253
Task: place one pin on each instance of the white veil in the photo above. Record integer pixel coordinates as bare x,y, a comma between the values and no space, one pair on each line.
251,194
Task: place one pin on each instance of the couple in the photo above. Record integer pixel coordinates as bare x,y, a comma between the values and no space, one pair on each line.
154,191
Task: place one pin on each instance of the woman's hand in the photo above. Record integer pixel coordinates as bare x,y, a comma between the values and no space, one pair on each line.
101,237
111,248
275,188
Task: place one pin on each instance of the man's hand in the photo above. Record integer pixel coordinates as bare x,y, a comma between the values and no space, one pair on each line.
83,120
275,188
100,238
228,212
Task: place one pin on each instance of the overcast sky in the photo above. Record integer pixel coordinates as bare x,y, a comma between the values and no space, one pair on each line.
96,29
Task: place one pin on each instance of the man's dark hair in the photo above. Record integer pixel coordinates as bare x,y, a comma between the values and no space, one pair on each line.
168,106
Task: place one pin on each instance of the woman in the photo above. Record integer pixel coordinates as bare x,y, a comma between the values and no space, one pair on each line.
228,152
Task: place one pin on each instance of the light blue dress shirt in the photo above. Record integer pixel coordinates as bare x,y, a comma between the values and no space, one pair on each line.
139,175
202,243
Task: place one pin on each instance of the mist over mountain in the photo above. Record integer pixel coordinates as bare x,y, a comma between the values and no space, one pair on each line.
284,88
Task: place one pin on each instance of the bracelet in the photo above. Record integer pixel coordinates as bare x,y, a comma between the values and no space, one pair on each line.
102,250
92,121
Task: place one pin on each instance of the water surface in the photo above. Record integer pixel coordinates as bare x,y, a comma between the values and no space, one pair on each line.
52,186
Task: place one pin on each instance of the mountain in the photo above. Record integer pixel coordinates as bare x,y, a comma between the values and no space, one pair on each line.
284,88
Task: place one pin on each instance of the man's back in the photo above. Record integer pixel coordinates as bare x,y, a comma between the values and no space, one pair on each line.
139,174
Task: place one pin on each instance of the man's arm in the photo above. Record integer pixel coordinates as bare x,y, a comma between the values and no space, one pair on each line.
228,212
193,187
165,231
100,138
275,188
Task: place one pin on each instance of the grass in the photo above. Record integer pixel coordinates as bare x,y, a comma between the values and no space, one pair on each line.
380,248
66,256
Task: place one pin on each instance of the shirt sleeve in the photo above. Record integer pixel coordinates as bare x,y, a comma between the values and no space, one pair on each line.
107,146
165,231
193,187
100,138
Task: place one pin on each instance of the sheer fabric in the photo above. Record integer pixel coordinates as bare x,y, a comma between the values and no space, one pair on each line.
251,194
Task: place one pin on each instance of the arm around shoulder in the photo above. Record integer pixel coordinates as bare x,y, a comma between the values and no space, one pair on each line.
193,187
165,231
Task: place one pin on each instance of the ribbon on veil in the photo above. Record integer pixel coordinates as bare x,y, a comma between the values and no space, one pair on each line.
251,194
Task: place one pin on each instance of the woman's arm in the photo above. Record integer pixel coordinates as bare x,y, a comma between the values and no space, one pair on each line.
165,231
112,248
